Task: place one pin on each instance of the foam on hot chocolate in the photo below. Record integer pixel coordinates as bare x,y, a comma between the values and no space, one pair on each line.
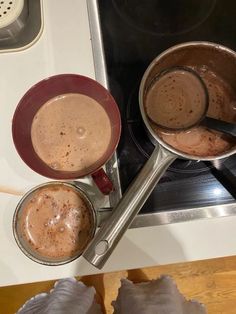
56,222
71,132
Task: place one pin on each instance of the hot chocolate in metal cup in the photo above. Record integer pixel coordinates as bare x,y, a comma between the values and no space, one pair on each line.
217,58
25,247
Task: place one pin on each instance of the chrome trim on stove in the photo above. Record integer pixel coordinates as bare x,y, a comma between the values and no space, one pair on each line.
101,76
184,215
150,219
175,216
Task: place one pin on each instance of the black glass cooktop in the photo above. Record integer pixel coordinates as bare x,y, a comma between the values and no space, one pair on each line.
134,33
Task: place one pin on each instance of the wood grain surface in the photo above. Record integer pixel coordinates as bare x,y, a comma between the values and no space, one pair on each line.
212,282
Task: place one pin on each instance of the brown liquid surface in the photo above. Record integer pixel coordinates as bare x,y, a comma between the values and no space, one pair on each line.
71,132
200,141
56,222
176,100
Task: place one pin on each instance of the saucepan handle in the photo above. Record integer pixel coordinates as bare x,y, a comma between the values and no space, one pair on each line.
115,226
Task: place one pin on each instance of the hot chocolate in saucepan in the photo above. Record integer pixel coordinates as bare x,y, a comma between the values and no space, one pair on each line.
177,100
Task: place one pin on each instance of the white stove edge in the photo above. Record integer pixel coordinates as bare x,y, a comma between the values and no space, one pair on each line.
56,52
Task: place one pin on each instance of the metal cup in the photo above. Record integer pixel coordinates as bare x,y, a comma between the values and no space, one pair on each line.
23,244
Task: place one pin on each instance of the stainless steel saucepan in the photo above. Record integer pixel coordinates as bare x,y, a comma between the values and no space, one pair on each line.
215,57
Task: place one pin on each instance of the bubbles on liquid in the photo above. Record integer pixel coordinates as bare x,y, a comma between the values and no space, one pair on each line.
233,104
203,69
55,165
81,131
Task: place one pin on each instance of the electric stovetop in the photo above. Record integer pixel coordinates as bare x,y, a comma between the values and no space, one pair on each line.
134,33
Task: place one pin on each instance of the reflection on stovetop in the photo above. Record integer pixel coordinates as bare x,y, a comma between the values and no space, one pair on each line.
134,33
164,17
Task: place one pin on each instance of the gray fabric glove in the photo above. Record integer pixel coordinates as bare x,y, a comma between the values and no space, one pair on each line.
69,296
159,296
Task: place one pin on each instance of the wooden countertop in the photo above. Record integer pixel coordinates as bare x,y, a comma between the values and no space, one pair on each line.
212,282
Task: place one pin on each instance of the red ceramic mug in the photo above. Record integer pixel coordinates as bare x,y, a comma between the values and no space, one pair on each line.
38,95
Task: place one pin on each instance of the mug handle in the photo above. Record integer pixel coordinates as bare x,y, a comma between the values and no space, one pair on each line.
102,181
